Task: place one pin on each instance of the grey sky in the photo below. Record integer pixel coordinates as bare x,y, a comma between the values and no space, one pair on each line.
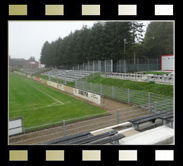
26,38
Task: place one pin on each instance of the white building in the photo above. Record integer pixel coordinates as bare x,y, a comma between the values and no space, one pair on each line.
167,62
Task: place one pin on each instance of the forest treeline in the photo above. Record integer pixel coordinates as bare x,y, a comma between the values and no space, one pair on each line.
105,40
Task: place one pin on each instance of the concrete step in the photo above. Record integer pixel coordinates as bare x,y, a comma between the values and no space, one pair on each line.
162,135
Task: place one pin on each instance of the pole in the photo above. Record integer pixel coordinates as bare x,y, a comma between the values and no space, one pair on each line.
75,83
101,89
91,86
65,78
149,100
155,106
128,95
105,66
124,46
117,116
113,92
64,129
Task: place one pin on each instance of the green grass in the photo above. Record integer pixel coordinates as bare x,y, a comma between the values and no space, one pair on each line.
166,90
40,105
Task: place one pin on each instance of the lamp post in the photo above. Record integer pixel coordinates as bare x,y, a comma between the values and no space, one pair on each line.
87,64
124,43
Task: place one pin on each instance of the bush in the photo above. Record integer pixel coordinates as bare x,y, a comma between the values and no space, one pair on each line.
151,82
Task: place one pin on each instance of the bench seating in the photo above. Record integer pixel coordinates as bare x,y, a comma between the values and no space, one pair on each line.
170,120
164,115
167,118
88,138
111,139
67,138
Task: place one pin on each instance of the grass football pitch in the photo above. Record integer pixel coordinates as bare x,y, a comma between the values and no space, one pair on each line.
40,104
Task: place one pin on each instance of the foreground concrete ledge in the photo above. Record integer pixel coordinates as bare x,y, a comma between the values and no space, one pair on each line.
114,127
162,135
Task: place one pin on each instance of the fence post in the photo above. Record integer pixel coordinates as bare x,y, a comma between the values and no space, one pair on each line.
149,100
101,89
148,63
93,66
155,106
23,125
91,86
113,92
111,65
83,85
105,66
49,76
128,95
65,78
75,83
124,66
88,65
117,116
157,63
64,131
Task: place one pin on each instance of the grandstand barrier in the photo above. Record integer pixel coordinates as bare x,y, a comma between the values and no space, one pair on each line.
29,76
88,96
60,87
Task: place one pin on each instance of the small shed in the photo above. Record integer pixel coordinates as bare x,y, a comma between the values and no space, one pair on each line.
167,62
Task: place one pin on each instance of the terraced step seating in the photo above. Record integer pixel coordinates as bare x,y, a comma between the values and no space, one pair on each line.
68,75
165,78
33,70
88,138
166,116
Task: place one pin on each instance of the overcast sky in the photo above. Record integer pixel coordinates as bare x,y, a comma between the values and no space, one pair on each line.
26,38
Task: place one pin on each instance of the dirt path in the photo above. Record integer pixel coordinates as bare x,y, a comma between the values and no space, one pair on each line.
41,136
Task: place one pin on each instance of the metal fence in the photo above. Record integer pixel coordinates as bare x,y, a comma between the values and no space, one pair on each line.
101,66
128,65
139,65
126,95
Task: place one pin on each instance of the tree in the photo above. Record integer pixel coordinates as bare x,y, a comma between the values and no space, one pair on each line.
137,37
45,54
159,39
104,41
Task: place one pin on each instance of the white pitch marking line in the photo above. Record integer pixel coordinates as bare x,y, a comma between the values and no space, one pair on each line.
52,104
46,94
35,108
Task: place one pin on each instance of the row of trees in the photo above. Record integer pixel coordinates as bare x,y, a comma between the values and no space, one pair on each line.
105,40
